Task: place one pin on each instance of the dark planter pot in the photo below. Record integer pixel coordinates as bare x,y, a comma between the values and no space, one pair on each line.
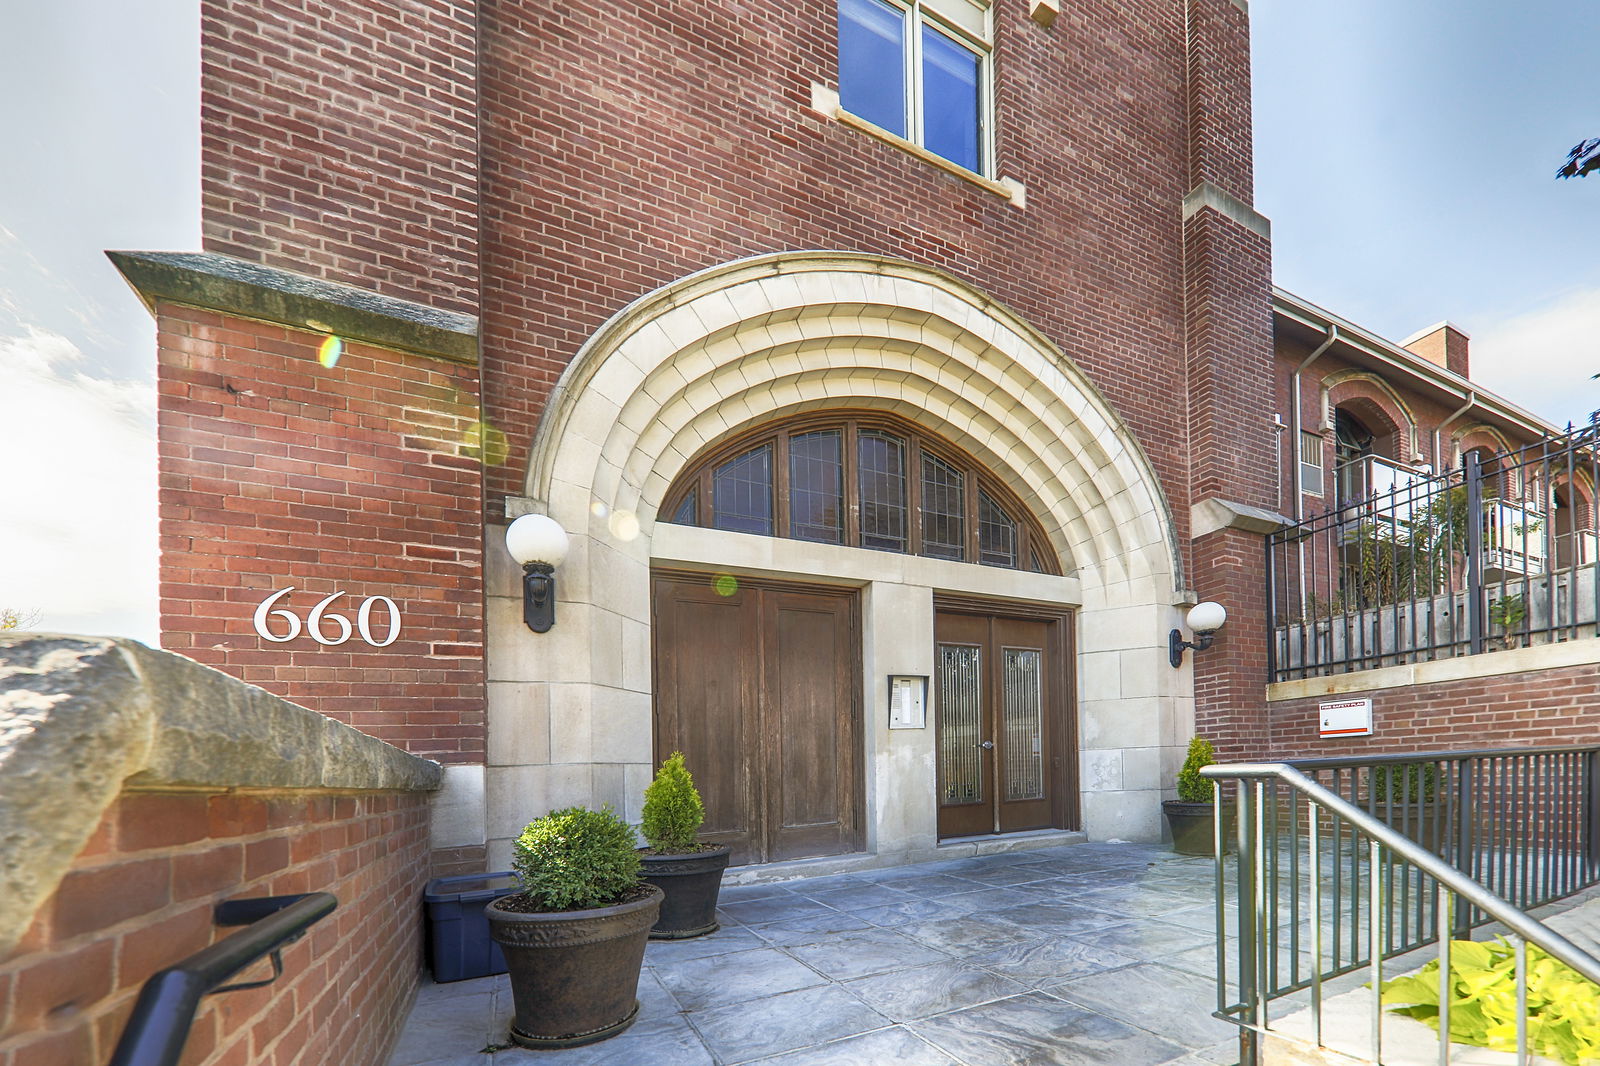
691,883
1191,824
574,974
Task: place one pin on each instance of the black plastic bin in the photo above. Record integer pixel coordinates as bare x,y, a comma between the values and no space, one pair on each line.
458,933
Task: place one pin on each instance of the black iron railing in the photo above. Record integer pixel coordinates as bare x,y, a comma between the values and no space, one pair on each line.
159,1026
1415,566
1342,864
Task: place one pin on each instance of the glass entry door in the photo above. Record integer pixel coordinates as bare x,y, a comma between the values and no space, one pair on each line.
1002,724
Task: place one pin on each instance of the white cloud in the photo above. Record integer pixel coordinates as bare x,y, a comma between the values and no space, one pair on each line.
77,491
1544,359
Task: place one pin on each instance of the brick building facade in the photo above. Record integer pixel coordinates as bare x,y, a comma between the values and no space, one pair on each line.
578,256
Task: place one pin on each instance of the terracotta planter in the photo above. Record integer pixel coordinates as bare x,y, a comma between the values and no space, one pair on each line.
1191,824
574,974
691,882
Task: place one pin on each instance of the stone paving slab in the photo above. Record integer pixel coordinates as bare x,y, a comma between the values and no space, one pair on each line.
1028,958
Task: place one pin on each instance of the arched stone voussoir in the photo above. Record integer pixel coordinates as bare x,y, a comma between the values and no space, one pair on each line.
684,367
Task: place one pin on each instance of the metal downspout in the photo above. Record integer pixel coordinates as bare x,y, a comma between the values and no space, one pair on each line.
1439,465
1294,415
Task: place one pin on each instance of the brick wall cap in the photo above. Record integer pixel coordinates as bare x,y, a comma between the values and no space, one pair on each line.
84,718
267,294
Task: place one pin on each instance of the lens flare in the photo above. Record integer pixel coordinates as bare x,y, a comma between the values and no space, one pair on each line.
624,525
485,443
329,351
598,509
725,585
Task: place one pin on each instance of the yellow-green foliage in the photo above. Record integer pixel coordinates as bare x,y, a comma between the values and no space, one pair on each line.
672,808
575,859
1563,1006
1192,788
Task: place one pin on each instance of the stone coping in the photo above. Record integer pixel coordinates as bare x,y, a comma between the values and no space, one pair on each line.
239,287
83,719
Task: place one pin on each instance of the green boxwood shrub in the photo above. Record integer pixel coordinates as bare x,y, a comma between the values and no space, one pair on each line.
575,859
1192,788
1405,782
673,812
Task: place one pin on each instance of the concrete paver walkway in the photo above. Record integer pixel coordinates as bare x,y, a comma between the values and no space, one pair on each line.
1081,954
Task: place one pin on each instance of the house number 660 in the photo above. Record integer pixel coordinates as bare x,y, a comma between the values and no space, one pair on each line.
320,616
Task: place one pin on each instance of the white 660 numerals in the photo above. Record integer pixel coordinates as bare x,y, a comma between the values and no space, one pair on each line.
321,619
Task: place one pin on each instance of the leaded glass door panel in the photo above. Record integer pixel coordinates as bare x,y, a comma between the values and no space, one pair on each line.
1002,724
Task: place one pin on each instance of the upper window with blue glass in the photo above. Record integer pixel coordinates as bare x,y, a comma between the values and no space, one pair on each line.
920,69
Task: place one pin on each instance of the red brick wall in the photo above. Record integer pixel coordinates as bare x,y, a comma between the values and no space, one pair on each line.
1551,707
139,898
340,140
674,137
276,472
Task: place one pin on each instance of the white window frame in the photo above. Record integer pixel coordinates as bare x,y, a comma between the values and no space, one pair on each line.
917,12
1305,466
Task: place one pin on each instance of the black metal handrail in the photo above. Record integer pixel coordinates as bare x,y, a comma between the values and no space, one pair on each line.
159,1026
1382,855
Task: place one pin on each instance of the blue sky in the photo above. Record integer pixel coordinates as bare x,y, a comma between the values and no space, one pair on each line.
1405,153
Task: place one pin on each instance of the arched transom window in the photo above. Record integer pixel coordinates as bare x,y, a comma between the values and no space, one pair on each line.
865,480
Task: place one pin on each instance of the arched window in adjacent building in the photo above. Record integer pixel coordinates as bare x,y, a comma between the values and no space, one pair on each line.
1352,443
865,480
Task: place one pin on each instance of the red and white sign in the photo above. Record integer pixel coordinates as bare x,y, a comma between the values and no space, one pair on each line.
1346,718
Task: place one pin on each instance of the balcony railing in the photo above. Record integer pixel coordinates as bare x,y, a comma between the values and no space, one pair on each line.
1500,553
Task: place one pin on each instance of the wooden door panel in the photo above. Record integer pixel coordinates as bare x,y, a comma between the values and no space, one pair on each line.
1023,724
707,672
1013,743
809,657
965,777
760,691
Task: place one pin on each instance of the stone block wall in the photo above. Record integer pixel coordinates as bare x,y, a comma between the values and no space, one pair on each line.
139,898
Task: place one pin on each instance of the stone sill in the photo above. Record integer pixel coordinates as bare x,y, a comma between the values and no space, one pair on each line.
825,102
1488,664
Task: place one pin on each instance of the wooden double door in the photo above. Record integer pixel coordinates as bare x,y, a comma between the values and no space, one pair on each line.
757,684
1004,725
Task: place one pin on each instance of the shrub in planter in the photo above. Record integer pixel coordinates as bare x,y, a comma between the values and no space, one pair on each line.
1191,815
1406,795
574,937
687,871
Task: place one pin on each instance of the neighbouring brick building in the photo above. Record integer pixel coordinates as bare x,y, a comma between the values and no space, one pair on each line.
848,340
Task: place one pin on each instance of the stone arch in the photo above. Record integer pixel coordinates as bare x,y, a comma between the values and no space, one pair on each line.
1373,400
723,349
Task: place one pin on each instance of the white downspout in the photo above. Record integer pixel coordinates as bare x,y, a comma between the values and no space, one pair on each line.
1294,416
1439,465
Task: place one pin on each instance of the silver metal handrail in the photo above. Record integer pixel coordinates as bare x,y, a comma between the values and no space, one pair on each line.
1251,1012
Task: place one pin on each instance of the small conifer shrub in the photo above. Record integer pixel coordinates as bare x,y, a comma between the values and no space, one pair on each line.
575,859
672,809
1192,788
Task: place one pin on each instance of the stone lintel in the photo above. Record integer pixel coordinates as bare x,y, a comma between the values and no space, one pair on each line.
1209,516
83,719
1225,203
249,290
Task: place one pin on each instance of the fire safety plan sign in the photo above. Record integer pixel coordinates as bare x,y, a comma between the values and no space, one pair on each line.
1346,718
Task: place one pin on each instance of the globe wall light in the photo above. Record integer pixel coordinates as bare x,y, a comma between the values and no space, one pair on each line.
539,544
1205,619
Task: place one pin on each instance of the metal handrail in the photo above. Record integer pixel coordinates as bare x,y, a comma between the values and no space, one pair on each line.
159,1026
1409,757
1497,907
